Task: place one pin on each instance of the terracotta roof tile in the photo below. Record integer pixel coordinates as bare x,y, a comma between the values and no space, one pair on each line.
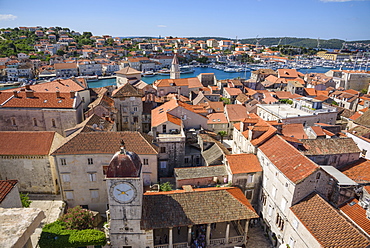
287,159
358,171
65,85
295,130
5,187
105,143
23,142
38,100
243,163
330,146
236,112
327,225
357,214
217,118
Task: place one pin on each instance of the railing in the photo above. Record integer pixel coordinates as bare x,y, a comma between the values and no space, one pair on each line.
216,242
236,239
180,245
177,245
161,246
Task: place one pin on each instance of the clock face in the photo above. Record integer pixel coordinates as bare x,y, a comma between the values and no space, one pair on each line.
123,192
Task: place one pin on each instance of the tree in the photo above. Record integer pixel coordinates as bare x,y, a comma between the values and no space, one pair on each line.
60,52
222,135
25,200
165,186
225,100
78,218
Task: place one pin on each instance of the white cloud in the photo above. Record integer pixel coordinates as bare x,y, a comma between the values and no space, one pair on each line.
7,17
162,26
340,1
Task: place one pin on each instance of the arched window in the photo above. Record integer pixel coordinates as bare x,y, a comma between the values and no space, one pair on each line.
53,123
35,122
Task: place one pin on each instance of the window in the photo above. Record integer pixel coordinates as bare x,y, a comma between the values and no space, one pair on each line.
53,123
69,195
163,164
291,242
270,210
92,177
90,161
66,177
94,193
135,109
145,161
283,204
136,119
249,194
164,128
318,175
279,222
63,161
186,160
295,223
35,122
250,178
274,190
263,199
13,122
163,149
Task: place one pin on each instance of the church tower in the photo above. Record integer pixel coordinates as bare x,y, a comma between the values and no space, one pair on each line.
125,198
175,68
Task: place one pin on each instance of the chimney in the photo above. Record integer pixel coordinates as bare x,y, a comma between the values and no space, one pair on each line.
29,94
58,93
28,87
72,94
107,118
15,93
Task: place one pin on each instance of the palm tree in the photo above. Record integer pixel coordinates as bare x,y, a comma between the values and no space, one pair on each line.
222,135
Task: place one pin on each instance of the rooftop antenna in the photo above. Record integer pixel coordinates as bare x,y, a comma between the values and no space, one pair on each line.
279,41
318,43
123,147
258,41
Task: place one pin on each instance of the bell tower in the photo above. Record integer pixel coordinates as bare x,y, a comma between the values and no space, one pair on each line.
125,199
175,69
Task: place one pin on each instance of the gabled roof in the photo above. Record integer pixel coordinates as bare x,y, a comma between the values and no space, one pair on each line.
364,119
5,187
358,171
233,91
64,85
295,130
38,100
327,225
190,82
293,164
287,73
200,206
329,146
105,143
200,172
357,214
236,112
243,163
217,118
128,71
126,90
61,66
23,142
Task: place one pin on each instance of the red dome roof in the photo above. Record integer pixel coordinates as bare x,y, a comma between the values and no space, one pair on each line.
124,164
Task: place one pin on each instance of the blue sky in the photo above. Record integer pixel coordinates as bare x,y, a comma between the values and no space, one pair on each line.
324,19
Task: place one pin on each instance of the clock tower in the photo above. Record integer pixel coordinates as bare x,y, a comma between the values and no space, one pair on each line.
125,199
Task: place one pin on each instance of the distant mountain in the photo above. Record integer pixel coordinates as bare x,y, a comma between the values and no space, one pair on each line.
298,42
